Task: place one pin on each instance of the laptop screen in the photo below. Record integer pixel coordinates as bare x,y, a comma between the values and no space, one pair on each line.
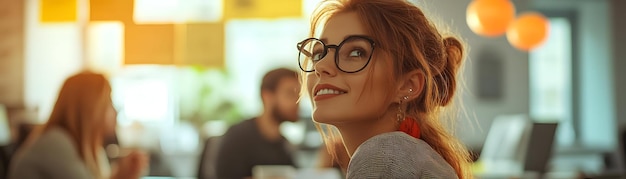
540,146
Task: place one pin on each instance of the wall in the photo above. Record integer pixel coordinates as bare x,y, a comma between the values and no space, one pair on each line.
51,54
12,53
619,64
619,58
596,88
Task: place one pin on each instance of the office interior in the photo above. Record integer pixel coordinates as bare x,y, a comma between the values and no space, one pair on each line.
183,71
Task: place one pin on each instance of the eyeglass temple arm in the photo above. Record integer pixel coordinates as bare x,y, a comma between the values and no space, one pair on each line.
299,46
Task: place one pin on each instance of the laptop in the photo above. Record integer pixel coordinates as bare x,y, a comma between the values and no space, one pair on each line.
516,146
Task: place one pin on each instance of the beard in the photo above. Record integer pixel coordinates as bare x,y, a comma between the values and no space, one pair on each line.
279,116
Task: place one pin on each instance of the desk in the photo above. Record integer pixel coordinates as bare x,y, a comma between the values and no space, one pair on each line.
562,167
507,169
303,173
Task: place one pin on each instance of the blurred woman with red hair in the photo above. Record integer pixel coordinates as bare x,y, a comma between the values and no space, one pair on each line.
69,145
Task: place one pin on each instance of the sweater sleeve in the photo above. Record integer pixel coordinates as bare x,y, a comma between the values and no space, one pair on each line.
52,156
21,170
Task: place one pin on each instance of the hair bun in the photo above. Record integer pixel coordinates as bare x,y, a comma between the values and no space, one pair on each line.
453,53
446,77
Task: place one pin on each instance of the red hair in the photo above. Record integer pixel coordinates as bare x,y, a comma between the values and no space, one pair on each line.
414,43
80,111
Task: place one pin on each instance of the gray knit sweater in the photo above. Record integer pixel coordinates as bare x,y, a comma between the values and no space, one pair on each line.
396,155
53,156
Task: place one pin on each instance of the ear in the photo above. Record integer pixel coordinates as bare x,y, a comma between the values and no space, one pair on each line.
411,85
267,97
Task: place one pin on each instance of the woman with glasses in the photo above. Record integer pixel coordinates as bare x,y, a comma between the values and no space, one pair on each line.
382,74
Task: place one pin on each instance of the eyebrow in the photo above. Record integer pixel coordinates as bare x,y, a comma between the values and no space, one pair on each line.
325,40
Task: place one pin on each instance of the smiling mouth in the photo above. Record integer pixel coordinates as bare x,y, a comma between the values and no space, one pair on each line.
328,91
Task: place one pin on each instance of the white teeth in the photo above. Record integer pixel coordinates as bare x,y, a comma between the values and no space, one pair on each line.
328,91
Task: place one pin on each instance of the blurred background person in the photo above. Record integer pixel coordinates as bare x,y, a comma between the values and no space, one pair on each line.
258,141
69,145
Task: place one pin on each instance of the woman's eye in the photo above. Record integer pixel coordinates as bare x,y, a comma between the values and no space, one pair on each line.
317,56
356,53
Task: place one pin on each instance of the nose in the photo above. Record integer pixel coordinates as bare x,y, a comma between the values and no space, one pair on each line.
327,66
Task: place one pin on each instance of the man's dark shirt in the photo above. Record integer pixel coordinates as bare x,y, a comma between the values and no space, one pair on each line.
244,147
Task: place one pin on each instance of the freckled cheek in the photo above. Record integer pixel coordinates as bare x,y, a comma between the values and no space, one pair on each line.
380,88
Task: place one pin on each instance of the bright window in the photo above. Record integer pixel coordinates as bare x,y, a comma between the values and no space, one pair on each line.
551,81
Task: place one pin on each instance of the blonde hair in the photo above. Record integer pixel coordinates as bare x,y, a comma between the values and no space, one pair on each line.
414,43
80,110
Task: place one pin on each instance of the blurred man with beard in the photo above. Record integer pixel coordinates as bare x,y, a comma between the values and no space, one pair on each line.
258,141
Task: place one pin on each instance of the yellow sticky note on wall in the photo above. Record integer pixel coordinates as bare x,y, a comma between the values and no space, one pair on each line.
262,8
200,44
149,44
111,10
57,10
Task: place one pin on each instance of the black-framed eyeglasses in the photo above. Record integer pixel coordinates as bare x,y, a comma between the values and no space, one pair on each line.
351,55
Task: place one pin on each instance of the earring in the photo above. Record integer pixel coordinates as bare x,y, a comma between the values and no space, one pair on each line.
400,114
